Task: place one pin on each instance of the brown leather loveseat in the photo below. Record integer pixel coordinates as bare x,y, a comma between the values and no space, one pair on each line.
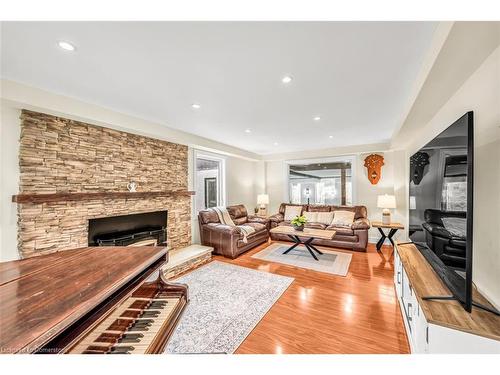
354,237
227,240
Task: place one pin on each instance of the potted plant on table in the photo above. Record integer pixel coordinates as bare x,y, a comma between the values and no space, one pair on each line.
299,222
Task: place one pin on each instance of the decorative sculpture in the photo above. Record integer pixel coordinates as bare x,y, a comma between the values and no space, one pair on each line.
374,165
417,164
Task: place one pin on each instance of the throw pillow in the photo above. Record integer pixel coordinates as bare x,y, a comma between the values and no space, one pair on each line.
311,217
457,226
325,217
343,218
292,211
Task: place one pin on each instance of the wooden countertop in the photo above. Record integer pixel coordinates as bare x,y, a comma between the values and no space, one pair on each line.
40,295
425,282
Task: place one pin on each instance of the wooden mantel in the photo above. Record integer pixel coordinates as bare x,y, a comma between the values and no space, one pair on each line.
64,197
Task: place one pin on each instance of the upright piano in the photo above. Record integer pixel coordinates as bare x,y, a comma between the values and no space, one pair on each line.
94,300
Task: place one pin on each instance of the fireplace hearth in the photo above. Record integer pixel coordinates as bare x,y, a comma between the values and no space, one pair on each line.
143,229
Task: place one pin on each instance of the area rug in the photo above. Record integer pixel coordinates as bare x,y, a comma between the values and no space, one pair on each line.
333,262
226,303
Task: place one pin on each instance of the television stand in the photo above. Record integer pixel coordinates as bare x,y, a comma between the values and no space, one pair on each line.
475,304
434,320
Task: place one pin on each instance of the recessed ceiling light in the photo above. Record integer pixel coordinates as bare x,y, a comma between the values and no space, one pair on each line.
66,45
286,79
317,118
195,106
248,131
330,136
275,143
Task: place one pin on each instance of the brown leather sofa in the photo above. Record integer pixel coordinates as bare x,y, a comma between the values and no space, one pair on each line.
227,240
353,238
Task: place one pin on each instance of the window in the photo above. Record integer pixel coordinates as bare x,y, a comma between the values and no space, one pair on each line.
209,181
323,182
454,193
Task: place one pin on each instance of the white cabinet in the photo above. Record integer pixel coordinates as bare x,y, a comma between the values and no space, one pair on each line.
414,319
425,337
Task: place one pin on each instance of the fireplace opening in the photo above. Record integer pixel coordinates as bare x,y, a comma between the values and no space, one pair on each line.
145,229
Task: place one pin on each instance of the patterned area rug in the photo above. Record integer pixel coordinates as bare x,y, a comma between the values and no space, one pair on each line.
333,262
226,303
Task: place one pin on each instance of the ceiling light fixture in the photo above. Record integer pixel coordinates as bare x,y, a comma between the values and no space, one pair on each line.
248,131
286,79
275,143
330,136
195,106
66,45
317,118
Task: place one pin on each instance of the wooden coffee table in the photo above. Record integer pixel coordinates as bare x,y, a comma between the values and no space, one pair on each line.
304,237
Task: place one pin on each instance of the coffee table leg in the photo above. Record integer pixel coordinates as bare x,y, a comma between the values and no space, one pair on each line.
308,242
297,243
308,247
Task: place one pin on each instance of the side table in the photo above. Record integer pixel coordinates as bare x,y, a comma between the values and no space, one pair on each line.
393,228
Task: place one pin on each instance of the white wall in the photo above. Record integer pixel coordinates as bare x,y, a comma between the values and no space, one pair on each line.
481,94
9,180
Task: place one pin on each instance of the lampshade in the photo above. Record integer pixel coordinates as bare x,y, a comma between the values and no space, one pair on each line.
262,199
413,203
386,201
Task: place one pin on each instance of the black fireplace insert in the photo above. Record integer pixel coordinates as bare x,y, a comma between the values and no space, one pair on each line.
148,228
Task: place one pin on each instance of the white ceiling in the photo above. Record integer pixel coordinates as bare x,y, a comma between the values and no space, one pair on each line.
357,76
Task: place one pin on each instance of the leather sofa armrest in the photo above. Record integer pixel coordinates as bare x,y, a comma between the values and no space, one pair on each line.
436,230
277,218
258,219
360,224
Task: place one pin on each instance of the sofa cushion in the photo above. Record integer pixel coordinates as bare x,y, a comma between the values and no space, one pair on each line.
292,211
344,231
311,217
284,205
315,225
343,218
237,211
359,211
258,227
325,217
208,216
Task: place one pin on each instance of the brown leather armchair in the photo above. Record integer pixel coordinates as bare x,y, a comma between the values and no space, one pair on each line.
354,237
227,240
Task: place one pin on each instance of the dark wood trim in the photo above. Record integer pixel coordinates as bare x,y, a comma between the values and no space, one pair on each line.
343,180
64,197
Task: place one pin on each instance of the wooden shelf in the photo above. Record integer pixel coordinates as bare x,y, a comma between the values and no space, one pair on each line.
65,197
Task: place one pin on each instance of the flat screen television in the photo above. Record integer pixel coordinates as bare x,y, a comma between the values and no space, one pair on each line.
441,207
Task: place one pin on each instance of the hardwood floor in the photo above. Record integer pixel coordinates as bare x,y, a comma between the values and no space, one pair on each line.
323,313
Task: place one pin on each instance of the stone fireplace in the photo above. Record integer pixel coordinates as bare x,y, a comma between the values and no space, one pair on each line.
59,155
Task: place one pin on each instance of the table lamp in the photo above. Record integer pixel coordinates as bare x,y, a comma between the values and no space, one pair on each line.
386,202
262,201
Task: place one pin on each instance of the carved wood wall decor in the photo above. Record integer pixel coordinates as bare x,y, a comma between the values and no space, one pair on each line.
373,164
417,165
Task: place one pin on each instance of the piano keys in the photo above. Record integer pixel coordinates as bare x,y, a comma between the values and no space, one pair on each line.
108,306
